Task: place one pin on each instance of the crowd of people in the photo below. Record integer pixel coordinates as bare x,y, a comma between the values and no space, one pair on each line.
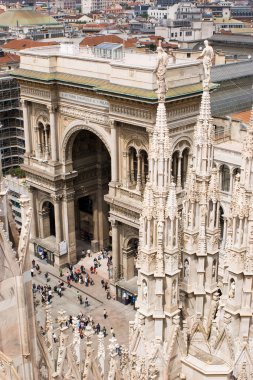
74,275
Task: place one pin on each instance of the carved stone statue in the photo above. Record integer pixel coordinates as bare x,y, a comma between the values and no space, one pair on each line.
144,292
208,57
160,72
232,289
186,269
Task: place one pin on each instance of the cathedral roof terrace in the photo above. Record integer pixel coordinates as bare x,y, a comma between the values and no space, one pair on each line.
112,71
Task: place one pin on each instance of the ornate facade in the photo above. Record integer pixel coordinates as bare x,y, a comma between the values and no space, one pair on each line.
87,147
194,305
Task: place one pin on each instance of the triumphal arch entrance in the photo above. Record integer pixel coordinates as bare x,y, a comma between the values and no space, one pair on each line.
88,120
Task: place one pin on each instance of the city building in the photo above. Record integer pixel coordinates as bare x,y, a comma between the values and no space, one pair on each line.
109,108
26,23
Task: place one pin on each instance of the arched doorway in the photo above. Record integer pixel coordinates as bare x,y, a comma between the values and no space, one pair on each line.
48,219
91,161
129,258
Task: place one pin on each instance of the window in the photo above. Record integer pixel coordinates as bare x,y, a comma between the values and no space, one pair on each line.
225,178
188,33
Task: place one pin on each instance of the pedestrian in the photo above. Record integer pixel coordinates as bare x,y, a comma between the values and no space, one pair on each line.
86,302
88,252
112,332
98,328
108,295
68,283
103,283
83,253
54,337
80,299
106,285
33,263
32,272
104,331
105,314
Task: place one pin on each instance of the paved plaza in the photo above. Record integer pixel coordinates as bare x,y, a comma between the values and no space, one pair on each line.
119,315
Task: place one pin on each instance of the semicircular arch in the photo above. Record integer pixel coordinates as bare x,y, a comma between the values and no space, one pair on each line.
72,131
181,143
44,200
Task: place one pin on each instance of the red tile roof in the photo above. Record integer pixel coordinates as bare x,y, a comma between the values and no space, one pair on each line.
9,58
98,26
26,44
111,38
243,116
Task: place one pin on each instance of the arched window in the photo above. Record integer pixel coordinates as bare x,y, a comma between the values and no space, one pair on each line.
144,166
225,178
133,165
184,166
43,140
175,158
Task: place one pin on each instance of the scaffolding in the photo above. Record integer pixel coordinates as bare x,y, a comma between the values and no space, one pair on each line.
12,143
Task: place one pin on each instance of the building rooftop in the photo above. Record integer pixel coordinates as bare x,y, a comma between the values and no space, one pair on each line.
24,17
129,75
25,44
243,116
231,38
232,70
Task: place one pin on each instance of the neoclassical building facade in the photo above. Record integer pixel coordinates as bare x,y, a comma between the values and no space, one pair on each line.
88,122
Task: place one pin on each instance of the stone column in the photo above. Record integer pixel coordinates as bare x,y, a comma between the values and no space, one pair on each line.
34,224
26,126
231,181
95,217
58,220
126,174
53,132
69,225
46,143
37,143
114,154
138,185
115,250
179,186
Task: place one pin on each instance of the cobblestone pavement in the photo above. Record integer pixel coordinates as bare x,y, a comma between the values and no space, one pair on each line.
119,315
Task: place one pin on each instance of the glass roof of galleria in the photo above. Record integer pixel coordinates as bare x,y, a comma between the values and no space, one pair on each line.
105,87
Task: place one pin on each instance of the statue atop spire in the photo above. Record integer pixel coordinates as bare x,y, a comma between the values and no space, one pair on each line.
160,71
208,57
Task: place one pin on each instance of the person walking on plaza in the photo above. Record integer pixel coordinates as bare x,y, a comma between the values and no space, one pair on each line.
112,332
54,337
33,263
32,272
86,302
105,314
97,328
